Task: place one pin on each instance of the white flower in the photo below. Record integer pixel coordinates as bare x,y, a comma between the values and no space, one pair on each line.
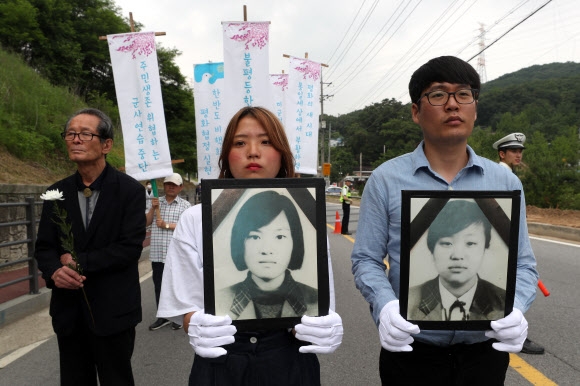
52,195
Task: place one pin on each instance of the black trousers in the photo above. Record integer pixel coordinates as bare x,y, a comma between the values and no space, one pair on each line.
459,364
157,274
260,359
84,355
345,216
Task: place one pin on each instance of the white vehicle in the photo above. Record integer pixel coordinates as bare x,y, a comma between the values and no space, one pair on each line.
333,191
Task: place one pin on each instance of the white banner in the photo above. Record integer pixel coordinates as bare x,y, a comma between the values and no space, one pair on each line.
302,111
136,75
246,64
279,84
209,122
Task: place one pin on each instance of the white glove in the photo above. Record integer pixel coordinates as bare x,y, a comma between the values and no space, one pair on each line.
511,332
324,332
208,332
395,332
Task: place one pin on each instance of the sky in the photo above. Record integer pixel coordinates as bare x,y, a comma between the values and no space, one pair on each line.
372,47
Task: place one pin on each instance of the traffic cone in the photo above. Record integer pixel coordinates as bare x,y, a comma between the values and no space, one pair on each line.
337,224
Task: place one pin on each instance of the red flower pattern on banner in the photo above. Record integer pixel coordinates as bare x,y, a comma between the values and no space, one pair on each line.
282,82
255,34
137,44
309,69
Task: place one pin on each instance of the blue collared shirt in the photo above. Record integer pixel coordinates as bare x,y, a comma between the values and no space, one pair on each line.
379,231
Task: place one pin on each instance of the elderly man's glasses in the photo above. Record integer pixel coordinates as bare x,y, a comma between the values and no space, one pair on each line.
463,96
84,136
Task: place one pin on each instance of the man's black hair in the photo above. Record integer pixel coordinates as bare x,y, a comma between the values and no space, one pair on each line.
105,126
442,69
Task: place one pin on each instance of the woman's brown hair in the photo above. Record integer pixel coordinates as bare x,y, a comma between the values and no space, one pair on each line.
275,132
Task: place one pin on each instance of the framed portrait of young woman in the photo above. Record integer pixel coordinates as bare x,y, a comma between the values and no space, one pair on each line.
458,257
265,250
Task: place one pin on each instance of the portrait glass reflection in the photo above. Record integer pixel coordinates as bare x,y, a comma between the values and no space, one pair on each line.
265,263
458,263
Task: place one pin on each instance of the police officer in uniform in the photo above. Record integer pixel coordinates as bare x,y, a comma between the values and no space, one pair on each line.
510,150
345,200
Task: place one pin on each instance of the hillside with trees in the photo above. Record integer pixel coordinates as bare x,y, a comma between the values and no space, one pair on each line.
542,102
52,63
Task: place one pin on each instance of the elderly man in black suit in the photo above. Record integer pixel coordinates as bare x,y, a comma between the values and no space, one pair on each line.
95,308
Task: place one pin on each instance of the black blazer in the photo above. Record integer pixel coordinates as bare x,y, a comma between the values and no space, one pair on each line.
425,301
108,252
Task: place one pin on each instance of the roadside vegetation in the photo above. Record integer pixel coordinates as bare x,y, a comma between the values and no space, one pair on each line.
52,63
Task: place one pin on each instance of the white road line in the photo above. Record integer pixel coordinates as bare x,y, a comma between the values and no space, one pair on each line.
19,353
145,277
555,241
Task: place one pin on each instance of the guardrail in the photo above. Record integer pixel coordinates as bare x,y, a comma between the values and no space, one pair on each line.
30,222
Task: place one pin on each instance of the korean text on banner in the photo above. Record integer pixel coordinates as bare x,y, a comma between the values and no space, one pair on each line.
302,111
208,91
138,88
246,65
279,84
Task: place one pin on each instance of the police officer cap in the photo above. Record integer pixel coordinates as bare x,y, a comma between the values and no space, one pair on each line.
512,141
349,179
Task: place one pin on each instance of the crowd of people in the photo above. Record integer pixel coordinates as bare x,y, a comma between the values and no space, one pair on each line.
96,297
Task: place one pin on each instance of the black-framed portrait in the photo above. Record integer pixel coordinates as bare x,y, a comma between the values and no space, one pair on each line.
265,250
458,257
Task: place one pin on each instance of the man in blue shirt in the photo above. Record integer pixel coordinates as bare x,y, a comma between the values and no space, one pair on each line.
444,93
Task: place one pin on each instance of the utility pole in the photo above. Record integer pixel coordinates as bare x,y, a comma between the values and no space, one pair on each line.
329,130
322,126
481,57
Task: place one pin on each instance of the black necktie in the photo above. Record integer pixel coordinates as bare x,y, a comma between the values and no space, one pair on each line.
457,304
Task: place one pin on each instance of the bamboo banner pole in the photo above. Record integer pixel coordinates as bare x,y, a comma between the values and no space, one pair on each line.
132,24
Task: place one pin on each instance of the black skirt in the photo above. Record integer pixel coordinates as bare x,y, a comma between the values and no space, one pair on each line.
267,358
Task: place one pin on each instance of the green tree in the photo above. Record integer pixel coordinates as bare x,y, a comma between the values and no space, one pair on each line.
18,26
343,163
551,175
179,110
401,135
59,39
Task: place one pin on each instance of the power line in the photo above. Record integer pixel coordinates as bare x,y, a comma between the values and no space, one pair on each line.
378,51
347,31
509,30
374,38
405,58
355,36
493,25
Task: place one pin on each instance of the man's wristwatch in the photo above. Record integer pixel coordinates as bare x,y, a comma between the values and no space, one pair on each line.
166,226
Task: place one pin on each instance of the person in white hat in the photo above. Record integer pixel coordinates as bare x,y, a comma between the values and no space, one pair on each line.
170,207
510,150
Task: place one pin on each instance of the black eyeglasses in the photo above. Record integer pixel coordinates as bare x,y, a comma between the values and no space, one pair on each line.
439,98
85,136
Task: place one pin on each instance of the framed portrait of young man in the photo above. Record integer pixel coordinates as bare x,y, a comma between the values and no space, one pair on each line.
265,250
458,257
